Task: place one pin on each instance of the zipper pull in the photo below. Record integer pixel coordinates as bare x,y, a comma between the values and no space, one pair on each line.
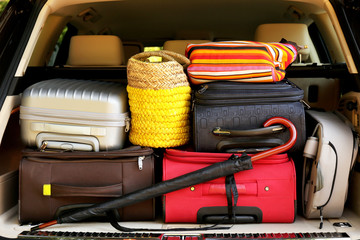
140,162
43,146
192,105
127,124
305,104
203,89
220,132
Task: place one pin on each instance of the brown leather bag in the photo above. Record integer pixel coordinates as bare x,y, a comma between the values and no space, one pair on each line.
54,183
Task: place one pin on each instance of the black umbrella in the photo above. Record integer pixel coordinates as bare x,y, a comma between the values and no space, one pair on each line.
221,169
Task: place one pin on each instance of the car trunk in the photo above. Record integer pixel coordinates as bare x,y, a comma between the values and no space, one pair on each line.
323,82
11,154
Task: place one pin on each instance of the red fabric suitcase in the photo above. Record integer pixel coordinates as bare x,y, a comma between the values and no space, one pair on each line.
267,193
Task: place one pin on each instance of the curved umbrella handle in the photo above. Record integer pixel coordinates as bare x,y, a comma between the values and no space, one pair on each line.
282,148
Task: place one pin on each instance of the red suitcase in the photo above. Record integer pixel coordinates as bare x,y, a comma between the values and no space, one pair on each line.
267,193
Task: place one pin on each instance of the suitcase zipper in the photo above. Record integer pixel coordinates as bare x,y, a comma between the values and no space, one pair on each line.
227,99
134,151
88,160
185,156
285,84
203,95
140,162
263,101
75,117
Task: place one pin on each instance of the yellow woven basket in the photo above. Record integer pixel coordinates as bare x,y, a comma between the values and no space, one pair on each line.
159,98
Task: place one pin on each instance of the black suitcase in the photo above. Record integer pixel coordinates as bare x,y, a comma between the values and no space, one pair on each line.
222,111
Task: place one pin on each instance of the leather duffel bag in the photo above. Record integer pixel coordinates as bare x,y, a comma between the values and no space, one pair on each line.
53,183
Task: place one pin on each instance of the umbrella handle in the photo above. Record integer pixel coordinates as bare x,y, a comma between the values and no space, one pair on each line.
282,148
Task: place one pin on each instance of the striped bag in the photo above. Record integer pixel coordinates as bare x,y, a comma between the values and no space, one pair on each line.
240,61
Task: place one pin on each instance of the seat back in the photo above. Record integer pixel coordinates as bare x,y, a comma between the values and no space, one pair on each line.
95,51
319,92
179,46
295,32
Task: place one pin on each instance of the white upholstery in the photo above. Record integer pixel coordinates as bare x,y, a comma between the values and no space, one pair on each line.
295,32
96,50
179,46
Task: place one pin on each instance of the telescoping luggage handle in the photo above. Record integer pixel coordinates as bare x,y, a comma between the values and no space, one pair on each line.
220,169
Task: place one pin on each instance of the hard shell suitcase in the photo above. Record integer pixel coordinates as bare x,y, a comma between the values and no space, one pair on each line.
53,183
329,155
223,110
267,193
75,115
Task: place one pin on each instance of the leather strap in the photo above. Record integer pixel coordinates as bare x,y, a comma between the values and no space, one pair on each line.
248,145
59,190
231,191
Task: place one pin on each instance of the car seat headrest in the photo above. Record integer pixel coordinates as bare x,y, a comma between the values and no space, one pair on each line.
96,50
295,32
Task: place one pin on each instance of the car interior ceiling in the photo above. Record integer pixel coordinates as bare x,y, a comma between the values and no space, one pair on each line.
114,18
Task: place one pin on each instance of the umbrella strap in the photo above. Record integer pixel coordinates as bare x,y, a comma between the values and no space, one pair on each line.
117,226
231,192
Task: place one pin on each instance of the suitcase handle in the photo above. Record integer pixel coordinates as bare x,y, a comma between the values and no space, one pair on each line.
248,188
248,145
61,190
67,142
244,214
218,131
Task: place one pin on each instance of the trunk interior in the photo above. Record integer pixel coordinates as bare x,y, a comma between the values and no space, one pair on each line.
324,83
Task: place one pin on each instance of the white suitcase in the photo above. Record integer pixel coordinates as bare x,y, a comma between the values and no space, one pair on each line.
329,157
75,115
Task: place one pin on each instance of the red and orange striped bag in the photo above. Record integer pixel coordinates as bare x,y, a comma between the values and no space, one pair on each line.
240,61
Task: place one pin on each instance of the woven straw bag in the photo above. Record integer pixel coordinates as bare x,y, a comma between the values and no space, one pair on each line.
159,98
